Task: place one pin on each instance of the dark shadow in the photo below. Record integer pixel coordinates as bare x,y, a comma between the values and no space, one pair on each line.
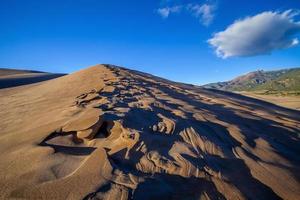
171,187
70,150
13,82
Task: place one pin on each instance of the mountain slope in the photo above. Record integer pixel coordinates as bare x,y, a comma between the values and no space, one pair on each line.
14,77
276,81
112,133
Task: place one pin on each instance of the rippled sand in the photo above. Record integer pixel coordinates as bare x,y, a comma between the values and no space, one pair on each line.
111,133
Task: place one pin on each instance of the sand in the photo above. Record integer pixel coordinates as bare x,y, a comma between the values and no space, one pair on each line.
292,102
14,77
112,133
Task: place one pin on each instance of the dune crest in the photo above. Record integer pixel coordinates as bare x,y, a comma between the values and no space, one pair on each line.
112,133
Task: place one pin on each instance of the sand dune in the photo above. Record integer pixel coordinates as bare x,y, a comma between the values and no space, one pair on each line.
112,133
14,77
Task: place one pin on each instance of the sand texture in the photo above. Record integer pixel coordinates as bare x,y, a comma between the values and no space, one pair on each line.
112,133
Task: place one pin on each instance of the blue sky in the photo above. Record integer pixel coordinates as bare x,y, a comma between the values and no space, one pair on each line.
67,35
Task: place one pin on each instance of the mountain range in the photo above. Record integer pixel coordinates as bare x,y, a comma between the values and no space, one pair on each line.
279,81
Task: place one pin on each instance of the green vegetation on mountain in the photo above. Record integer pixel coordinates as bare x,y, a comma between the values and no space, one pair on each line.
286,81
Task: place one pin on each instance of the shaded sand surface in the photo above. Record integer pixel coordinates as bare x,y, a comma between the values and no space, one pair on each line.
111,133
292,102
14,77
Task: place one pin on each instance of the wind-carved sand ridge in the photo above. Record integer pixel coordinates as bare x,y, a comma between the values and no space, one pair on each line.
112,133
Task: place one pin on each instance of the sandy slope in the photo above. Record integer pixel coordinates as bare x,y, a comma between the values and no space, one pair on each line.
111,133
14,77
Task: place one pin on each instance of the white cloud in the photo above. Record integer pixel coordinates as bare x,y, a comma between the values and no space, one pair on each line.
166,11
259,34
205,12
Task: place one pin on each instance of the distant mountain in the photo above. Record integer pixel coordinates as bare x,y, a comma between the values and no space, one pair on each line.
273,81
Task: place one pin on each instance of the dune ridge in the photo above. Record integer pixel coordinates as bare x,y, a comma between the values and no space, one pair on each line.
108,132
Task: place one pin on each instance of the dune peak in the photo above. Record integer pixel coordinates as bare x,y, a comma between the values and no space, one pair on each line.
107,132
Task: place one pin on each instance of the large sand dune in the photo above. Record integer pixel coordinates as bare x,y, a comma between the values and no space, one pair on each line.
112,133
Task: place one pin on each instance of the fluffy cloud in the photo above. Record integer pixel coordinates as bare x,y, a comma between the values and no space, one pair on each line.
166,11
259,34
205,12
